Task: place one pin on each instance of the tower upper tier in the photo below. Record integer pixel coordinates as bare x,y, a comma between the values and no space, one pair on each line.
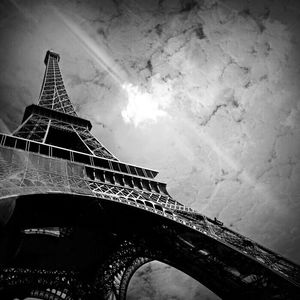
53,93
54,120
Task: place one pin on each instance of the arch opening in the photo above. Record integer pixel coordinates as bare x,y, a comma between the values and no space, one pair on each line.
157,280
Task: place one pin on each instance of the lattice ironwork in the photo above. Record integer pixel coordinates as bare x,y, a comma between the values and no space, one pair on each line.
115,273
230,264
40,283
34,128
123,282
54,97
53,94
93,144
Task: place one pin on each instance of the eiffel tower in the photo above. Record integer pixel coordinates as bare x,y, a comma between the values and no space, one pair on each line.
76,222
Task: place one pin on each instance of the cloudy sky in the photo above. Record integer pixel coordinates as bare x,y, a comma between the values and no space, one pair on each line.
207,92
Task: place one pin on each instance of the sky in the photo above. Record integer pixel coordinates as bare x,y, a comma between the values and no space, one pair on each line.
206,92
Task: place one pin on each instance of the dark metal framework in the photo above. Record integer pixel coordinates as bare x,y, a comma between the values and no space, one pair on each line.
76,222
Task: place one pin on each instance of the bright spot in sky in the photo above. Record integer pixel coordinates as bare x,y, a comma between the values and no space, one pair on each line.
142,106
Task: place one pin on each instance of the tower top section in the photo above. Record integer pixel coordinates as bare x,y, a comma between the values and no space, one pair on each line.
53,93
52,54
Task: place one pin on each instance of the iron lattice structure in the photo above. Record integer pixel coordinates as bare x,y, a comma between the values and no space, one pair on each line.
76,222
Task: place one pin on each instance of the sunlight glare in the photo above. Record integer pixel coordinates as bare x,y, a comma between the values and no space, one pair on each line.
142,106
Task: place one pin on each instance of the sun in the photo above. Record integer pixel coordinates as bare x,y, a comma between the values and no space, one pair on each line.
143,107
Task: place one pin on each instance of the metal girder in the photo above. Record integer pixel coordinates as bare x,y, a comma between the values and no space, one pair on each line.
27,176
53,94
210,263
93,144
115,273
128,273
41,283
228,263
34,128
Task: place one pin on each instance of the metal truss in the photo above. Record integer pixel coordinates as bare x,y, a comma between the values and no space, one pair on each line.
233,276
53,94
93,144
111,281
40,283
28,176
58,232
113,277
122,282
230,264
34,128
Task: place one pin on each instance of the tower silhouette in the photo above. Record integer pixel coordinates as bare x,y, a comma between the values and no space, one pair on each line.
76,222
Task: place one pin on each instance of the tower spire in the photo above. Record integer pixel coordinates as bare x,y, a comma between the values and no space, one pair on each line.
75,222
53,93
54,120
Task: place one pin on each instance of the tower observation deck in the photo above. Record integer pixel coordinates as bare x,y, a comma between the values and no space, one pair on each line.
76,222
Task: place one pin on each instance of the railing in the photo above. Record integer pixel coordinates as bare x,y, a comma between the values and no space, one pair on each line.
74,156
39,156
35,173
